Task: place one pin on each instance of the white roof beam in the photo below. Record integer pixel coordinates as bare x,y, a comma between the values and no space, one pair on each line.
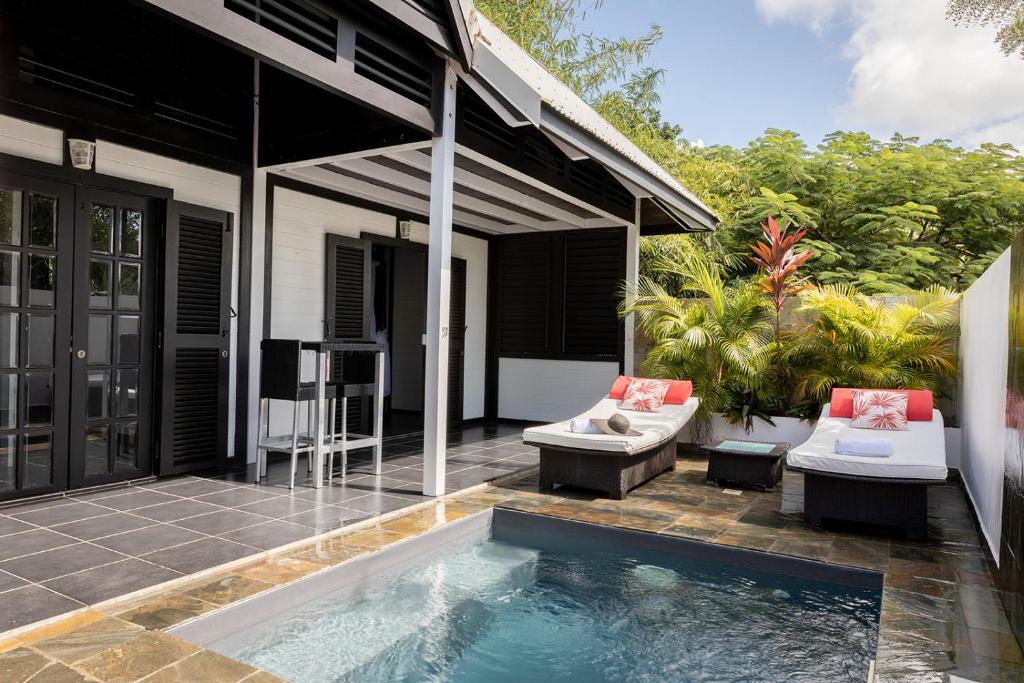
396,200
362,154
371,169
421,161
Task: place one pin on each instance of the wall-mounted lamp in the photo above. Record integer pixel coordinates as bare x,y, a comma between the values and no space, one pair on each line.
82,153
405,229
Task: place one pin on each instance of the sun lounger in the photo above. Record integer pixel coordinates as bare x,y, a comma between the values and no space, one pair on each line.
886,491
610,463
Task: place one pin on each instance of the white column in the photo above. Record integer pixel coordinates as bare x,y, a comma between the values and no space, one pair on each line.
632,277
439,257
258,241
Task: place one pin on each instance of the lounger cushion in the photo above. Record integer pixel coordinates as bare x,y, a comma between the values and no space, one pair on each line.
655,429
679,391
919,405
918,453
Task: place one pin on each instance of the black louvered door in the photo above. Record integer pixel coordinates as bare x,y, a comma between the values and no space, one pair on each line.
456,342
195,346
348,299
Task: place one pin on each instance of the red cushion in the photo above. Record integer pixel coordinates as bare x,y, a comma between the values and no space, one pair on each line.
919,403
678,393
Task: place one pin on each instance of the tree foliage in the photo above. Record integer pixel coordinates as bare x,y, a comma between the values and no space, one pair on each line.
1006,15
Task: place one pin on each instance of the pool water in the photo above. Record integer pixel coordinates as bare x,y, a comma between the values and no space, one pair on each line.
494,612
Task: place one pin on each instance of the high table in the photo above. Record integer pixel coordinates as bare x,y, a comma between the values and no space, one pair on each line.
345,442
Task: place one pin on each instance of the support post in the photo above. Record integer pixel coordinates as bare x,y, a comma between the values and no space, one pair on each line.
439,256
254,285
632,277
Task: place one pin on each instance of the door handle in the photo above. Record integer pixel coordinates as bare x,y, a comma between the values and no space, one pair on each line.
80,354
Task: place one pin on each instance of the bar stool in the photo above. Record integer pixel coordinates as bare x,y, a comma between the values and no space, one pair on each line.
281,380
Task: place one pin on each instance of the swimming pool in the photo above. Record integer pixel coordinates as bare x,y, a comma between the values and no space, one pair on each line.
520,597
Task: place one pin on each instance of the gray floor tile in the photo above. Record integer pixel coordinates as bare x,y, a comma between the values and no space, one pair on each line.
69,512
375,484
180,509
30,604
33,541
379,503
280,506
103,583
200,555
270,535
328,518
9,581
328,495
220,522
9,525
197,487
107,525
406,474
148,540
53,563
237,497
139,498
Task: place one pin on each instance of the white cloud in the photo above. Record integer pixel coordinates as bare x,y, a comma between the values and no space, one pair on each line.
816,14
916,72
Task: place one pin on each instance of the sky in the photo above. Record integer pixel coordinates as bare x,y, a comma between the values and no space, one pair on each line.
736,67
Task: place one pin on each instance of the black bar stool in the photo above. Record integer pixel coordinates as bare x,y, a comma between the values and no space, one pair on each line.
281,380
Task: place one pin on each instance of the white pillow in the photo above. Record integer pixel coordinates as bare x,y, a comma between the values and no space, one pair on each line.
645,395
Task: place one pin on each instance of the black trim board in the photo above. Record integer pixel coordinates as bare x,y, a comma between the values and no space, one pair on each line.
69,174
244,316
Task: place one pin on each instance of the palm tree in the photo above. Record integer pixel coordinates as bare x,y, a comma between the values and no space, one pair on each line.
720,340
860,341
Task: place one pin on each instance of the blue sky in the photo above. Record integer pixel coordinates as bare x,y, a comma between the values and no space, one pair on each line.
736,67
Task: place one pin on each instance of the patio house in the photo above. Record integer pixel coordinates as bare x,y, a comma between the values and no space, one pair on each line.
180,179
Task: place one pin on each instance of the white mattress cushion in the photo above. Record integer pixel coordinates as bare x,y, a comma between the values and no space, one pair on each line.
918,453
655,428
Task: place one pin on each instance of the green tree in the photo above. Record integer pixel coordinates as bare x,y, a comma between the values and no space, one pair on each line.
1007,15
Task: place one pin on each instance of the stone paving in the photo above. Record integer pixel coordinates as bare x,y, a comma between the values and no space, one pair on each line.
940,613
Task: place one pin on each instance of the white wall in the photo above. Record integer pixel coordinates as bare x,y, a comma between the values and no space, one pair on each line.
984,347
30,140
301,223
551,390
195,185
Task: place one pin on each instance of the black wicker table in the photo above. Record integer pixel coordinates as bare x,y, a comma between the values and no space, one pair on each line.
746,463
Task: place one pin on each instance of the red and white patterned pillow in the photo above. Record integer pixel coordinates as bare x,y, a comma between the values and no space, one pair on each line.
645,395
880,410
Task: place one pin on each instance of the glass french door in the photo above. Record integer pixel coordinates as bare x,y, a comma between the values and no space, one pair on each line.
36,242
76,281
111,349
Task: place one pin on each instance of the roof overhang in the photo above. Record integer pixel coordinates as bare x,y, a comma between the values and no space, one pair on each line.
519,89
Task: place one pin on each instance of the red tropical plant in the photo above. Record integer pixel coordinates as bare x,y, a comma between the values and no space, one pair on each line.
775,256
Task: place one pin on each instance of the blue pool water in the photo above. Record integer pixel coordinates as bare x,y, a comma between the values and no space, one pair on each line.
496,612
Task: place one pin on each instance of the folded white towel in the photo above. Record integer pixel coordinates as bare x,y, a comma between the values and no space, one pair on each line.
871,448
582,425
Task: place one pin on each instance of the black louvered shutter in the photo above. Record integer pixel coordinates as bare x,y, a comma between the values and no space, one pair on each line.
595,267
348,300
523,281
456,341
195,339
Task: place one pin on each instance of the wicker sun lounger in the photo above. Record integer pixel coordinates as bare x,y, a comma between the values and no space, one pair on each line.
890,492
612,464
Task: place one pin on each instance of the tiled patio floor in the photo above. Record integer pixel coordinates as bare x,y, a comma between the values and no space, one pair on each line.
62,554
940,612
